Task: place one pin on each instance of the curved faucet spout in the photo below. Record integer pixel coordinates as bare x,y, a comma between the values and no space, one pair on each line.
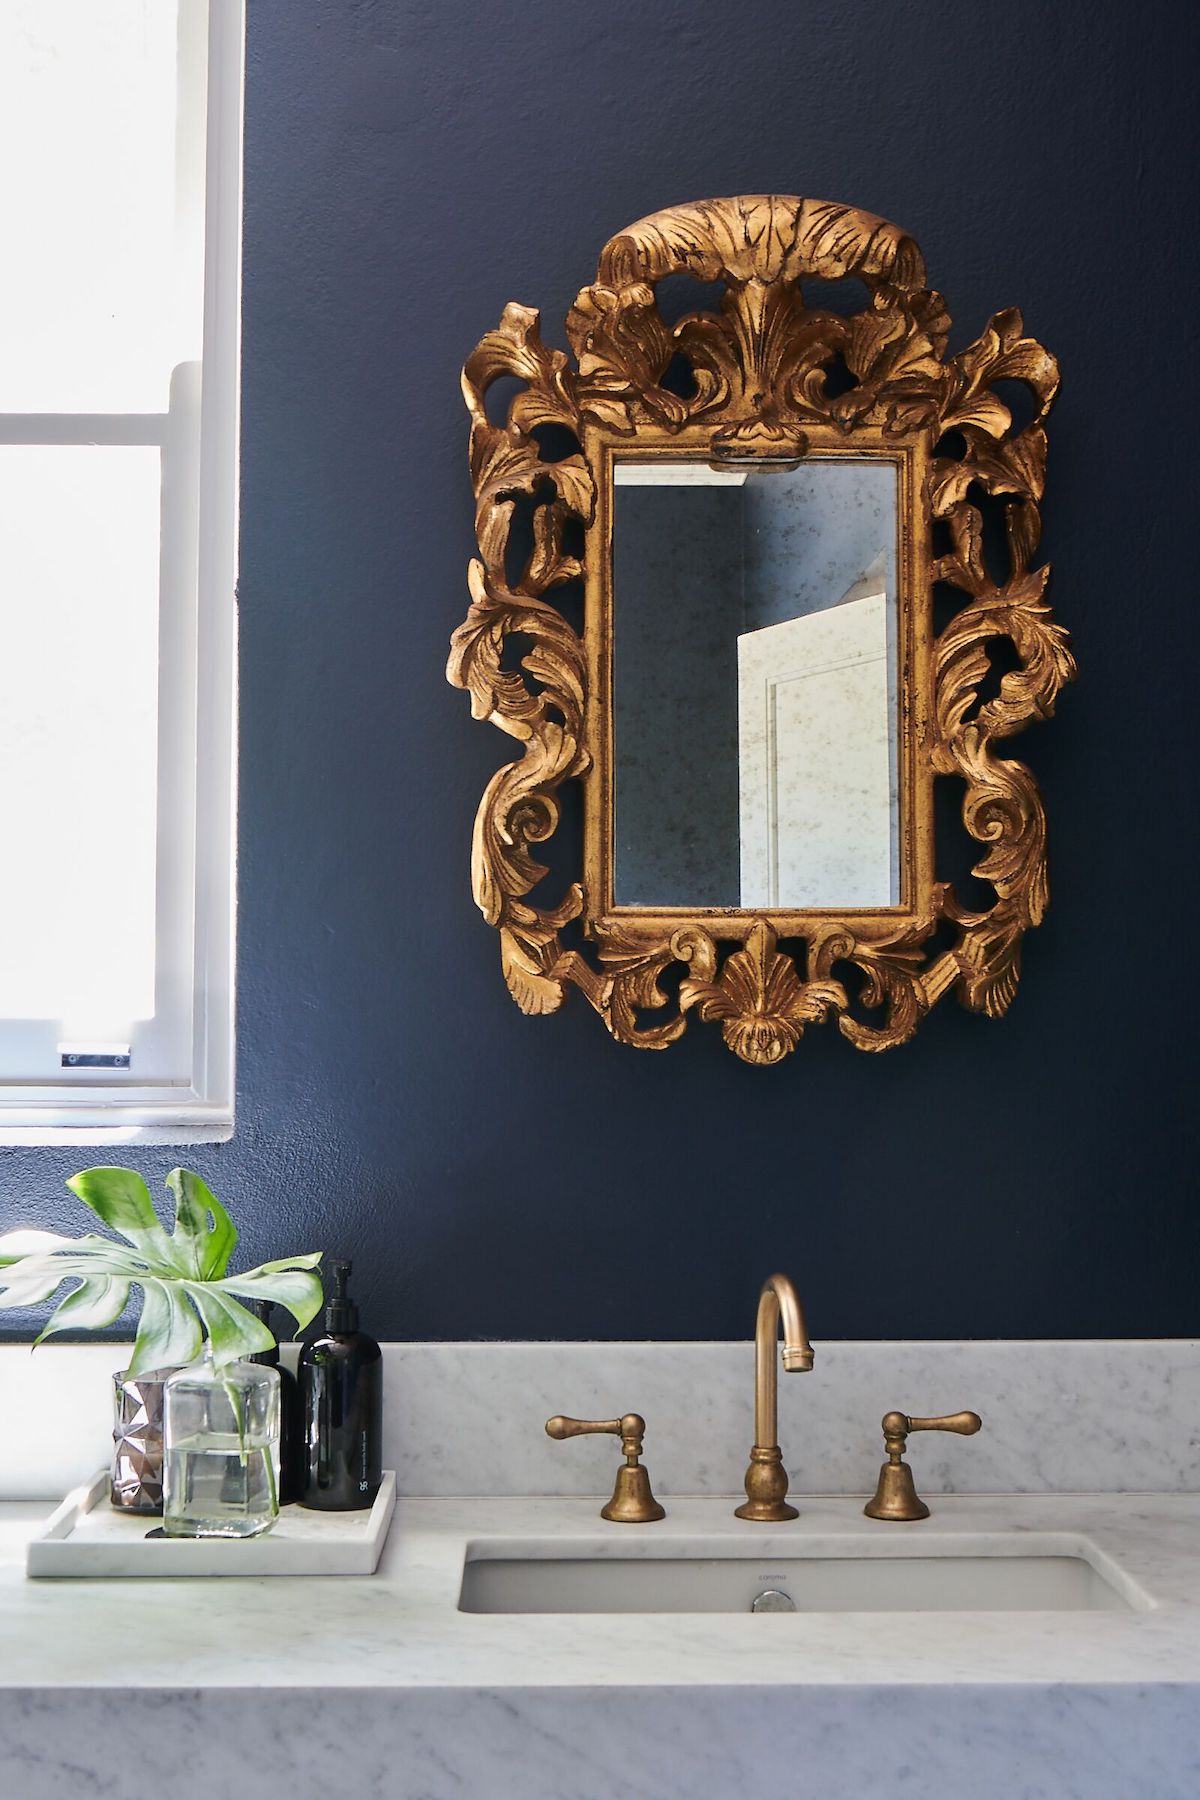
766,1477
797,1351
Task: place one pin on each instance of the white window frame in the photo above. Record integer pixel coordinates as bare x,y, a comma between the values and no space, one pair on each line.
194,1103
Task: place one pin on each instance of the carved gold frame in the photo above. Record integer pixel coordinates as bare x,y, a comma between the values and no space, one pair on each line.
761,397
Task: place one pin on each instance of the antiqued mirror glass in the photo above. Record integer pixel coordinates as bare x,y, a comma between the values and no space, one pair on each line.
754,669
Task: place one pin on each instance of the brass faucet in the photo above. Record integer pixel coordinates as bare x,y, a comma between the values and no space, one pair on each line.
766,1477
896,1496
632,1502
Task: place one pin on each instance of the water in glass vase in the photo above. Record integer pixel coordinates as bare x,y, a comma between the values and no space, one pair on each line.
221,1468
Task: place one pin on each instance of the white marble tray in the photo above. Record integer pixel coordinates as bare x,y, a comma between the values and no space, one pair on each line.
86,1537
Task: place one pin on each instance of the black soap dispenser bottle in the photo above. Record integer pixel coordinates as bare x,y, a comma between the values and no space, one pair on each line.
341,1399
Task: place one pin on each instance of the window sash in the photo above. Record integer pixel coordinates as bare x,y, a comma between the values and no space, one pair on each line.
180,1083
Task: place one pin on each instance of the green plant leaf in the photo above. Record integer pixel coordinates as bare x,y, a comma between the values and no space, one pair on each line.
15,1246
121,1200
96,1302
33,1281
29,1279
168,1332
233,1332
182,1277
200,1248
308,1261
286,1282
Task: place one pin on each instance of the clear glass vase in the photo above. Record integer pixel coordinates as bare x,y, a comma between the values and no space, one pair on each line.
221,1433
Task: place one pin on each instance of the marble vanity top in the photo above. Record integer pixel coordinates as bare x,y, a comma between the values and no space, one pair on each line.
380,1686
402,1628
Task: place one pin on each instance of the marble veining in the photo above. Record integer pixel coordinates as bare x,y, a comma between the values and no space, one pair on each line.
421,1702
1076,1416
401,1627
1004,1744
380,1686
1065,1417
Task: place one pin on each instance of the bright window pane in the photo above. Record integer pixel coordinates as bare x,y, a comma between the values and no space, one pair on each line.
79,548
100,221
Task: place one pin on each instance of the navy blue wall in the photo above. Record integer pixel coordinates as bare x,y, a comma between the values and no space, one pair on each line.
410,168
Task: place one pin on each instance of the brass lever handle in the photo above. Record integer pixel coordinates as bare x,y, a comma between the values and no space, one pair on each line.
965,1423
562,1427
895,1495
632,1502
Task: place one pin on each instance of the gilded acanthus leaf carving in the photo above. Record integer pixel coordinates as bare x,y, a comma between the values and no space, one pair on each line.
555,660
892,966
760,1000
777,376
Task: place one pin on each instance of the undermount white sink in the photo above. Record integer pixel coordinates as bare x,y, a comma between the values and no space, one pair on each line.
1053,1576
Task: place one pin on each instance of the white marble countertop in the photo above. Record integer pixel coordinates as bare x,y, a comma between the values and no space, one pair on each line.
380,1686
400,1629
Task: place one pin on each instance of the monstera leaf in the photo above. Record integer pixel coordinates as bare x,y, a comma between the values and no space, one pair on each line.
187,1291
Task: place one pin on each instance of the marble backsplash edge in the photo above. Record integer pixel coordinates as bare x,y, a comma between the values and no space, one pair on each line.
1060,1416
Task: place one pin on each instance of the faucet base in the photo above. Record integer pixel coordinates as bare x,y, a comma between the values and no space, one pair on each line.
764,1514
766,1488
632,1502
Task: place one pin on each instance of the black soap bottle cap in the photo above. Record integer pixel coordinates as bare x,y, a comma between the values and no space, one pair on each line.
341,1314
262,1310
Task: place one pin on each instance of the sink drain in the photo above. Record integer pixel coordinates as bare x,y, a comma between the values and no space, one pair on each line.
772,1600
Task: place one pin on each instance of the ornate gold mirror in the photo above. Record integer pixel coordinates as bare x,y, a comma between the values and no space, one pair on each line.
762,502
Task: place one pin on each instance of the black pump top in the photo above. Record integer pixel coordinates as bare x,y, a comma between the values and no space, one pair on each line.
341,1314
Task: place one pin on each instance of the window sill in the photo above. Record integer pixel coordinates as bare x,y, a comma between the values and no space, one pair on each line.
116,1123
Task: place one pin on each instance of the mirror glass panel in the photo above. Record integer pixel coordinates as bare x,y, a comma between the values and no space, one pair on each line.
755,727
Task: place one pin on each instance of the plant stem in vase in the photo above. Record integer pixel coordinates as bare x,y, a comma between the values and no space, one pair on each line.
221,1469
